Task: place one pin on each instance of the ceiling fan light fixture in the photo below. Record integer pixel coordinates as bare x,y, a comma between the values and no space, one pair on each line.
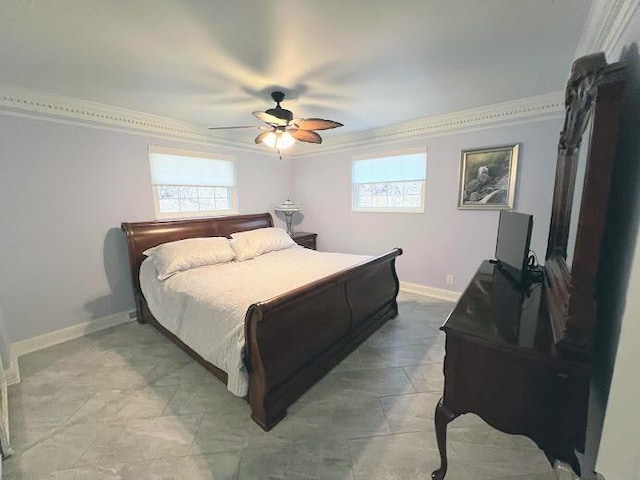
279,140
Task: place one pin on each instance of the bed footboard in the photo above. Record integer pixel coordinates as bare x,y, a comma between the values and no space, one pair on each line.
295,339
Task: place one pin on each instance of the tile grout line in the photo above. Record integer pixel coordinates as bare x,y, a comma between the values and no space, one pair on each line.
415,390
195,432
351,460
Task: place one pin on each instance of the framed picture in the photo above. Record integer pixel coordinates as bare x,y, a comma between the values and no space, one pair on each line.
488,178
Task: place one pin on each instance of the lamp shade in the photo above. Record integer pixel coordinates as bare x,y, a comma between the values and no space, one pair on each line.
288,206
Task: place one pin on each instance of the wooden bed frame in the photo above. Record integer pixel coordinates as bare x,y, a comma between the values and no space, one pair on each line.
293,340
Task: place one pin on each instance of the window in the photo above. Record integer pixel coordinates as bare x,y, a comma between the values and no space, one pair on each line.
393,183
191,184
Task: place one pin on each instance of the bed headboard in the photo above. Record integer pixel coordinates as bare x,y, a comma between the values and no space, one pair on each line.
144,235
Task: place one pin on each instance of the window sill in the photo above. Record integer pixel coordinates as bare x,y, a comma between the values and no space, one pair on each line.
190,215
388,210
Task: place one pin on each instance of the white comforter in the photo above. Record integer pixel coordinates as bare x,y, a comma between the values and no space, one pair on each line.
205,307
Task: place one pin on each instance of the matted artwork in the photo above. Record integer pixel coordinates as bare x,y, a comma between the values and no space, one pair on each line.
488,178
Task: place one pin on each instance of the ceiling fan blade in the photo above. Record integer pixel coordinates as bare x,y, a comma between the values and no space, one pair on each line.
317,124
306,136
233,128
260,137
295,123
270,119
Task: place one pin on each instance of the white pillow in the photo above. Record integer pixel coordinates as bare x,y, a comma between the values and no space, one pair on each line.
173,257
242,249
264,240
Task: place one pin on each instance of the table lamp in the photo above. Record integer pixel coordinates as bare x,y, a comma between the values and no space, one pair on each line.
288,208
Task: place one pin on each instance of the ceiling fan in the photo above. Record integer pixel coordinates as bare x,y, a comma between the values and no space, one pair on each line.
282,130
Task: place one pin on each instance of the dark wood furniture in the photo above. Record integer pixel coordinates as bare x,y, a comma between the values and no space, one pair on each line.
593,101
501,364
293,340
306,239
520,358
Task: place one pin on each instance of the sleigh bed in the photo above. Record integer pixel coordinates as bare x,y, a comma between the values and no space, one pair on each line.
293,339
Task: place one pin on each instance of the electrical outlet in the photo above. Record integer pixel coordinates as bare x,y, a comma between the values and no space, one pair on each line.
451,279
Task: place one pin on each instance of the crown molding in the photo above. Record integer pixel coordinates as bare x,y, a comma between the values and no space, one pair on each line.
59,108
606,23
524,109
64,109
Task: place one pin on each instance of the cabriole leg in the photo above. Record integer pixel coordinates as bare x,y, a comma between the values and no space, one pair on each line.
442,418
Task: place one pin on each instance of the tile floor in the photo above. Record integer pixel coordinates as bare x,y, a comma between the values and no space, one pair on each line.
126,404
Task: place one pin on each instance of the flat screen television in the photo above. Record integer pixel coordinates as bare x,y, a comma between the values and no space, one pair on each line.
512,246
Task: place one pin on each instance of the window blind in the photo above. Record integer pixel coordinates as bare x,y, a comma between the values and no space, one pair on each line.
391,169
177,169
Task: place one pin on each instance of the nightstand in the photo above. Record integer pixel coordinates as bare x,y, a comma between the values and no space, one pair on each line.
306,239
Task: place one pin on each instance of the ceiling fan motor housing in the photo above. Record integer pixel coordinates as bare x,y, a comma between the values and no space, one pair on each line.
279,112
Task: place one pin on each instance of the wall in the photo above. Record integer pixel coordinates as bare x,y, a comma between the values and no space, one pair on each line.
443,240
614,423
65,189
5,353
619,456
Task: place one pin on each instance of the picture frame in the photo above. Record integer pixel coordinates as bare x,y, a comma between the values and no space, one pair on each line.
488,178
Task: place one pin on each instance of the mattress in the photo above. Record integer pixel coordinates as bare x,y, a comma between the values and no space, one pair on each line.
205,307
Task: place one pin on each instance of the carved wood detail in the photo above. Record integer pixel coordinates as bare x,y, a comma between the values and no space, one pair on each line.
594,91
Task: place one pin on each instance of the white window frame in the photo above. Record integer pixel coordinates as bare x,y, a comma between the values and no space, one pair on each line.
396,153
233,202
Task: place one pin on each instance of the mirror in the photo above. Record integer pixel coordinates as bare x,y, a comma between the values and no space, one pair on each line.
586,152
576,201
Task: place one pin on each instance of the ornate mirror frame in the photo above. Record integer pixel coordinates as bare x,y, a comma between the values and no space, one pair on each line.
594,92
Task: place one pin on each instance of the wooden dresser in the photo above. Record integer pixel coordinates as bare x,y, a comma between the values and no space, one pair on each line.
520,357
501,364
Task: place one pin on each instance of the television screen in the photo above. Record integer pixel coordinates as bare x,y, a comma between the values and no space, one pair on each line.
512,246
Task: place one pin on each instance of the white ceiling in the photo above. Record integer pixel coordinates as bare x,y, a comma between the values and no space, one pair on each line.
365,63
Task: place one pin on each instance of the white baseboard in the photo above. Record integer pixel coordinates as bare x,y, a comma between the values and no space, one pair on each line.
59,336
433,292
12,373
